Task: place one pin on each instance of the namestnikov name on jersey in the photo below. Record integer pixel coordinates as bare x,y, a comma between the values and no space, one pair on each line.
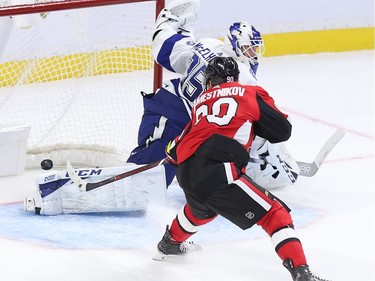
218,93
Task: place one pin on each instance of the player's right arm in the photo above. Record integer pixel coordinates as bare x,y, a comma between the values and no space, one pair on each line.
272,128
272,124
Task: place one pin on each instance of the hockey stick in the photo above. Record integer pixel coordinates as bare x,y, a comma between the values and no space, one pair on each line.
306,169
310,169
87,186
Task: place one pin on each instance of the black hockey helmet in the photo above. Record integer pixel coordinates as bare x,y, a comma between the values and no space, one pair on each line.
220,70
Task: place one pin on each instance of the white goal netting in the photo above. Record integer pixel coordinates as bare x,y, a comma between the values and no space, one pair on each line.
75,76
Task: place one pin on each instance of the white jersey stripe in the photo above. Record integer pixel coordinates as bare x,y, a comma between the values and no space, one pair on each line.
253,194
228,172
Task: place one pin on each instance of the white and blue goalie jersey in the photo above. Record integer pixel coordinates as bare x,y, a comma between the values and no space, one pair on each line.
167,111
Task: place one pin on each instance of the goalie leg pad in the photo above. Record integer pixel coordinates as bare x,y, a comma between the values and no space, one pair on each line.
279,167
130,194
280,157
180,15
265,177
183,7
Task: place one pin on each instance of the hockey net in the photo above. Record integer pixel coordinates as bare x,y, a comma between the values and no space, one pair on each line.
73,71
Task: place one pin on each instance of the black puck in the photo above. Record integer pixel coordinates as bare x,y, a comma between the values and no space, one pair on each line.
46,164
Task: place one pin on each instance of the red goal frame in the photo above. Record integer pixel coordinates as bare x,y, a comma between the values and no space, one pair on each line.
76,4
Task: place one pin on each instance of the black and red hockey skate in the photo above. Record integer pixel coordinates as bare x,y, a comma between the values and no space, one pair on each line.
301,273
168,247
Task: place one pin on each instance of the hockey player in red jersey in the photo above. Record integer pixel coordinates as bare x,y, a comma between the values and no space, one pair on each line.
211,155
168,110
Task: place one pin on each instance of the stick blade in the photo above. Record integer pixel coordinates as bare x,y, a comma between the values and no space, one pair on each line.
307,169
74,177
328,146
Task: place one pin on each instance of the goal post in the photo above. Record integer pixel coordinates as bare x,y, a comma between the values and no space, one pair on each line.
73,71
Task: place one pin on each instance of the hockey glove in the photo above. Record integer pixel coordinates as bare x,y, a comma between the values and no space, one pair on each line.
170,151
166,18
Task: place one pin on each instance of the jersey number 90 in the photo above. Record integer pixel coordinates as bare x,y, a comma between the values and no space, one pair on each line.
221,112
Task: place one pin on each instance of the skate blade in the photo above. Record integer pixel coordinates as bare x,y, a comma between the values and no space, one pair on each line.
160,257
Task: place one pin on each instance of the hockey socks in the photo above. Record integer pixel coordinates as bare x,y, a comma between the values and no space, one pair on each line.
279,226
186,224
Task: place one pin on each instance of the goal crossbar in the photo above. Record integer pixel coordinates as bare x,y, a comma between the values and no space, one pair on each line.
66,5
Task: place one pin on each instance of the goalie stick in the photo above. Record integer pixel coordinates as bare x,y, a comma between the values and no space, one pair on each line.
306,169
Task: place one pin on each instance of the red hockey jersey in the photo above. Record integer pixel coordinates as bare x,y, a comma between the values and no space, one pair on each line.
235,111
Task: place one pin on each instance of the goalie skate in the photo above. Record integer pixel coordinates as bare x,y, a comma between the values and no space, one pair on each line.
30,205
168,247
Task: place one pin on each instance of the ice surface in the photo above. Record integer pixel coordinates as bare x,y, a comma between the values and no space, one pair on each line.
334,211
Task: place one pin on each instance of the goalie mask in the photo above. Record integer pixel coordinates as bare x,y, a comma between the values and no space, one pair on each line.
244,42
220,70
